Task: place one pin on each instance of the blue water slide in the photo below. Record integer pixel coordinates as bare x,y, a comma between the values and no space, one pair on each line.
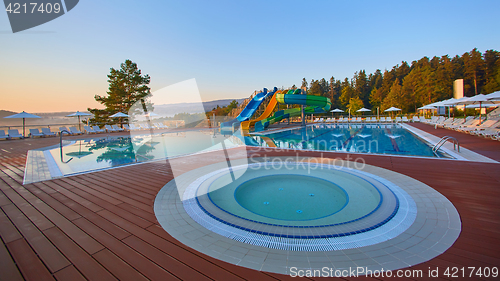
250,109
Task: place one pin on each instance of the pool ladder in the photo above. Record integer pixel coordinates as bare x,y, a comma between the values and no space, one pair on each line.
443,140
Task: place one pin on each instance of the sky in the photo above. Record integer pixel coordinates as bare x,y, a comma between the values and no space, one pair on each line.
231,48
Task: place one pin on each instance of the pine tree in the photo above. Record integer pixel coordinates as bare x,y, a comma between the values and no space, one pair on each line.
126,87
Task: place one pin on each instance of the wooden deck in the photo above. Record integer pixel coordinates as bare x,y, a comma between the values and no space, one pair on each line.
101,225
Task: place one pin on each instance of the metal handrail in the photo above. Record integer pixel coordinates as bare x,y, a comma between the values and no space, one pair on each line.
443,140
61,146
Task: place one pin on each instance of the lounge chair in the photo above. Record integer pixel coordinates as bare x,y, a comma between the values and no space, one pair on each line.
422,119
109,129
398,119
415,119
64,131
126,127
3,135
146,126
75,131
492,133
405,119
116,128
486,125
98,130
35,133
47,133
388,119
15,134
89,130
448,121
134,127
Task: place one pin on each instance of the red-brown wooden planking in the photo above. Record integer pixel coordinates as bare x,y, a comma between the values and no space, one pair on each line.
136,260
8,269
472,187
92,216
8,231
122,270
87,265
69,273
180,270
42,246
30,265
149,216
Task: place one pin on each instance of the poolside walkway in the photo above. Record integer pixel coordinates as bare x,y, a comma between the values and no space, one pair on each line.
101,225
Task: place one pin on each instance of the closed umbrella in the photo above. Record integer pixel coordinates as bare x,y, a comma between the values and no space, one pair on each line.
23,115
78,114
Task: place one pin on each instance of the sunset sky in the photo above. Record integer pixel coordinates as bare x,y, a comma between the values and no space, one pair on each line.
230,47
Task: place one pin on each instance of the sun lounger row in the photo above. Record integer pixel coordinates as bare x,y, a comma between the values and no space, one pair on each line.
360,119
470,125
126,127
11,134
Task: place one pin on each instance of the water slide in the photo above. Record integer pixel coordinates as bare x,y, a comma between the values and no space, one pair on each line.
269,110
315,104
250,109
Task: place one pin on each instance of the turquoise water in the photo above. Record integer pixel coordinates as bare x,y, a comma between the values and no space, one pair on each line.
291,197
107,152
358,138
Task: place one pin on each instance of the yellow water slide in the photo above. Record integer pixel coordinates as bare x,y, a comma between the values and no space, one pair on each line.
269,110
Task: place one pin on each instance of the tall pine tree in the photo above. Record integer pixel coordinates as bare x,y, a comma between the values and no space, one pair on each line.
126,87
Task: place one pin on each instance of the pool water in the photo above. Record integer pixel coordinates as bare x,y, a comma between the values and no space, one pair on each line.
291,197
358,138
107,152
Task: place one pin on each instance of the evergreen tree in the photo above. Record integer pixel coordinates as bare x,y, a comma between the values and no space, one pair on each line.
474,71
354,105
347,92
394,96
304,83
126,87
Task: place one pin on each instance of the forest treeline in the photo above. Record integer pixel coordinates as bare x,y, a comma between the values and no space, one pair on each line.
409,86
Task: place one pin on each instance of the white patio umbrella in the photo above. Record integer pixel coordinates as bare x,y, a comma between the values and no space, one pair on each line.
78,114
477,99
336,110
363,110
120,115
390,109
495,96
427,107
23,115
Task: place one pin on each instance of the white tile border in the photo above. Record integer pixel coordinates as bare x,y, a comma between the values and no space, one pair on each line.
436,227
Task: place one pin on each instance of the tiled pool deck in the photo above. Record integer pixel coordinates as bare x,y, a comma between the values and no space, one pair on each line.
102,225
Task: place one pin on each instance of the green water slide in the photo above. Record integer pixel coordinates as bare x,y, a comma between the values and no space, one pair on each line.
315,104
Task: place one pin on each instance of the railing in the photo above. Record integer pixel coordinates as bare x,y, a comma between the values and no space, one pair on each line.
61,146
443,140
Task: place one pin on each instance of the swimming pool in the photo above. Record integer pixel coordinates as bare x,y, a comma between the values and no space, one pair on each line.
317,203
97,153
391,139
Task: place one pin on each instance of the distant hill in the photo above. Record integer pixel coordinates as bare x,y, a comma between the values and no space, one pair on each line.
193,107
5,113
163,109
